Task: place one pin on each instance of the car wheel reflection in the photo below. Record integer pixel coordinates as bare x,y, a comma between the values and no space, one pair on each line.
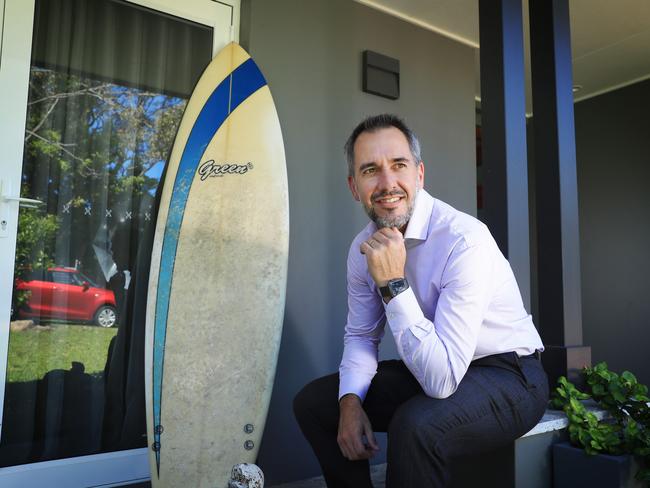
105,316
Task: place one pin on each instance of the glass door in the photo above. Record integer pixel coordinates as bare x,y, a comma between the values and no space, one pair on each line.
92,92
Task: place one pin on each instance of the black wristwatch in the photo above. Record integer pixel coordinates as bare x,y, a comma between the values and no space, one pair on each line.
394,287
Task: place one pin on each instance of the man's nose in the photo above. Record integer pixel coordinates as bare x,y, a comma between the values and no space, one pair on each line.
387,180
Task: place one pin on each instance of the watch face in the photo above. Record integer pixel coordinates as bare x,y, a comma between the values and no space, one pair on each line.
394,287
397,286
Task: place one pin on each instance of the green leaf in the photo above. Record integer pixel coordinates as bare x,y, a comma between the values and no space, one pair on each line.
583,437
576,405
598,390
629,377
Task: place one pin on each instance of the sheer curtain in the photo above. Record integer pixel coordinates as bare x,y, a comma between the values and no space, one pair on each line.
108,85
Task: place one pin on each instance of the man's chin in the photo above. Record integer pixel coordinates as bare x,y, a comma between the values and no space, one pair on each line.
383,221
398,223
399,217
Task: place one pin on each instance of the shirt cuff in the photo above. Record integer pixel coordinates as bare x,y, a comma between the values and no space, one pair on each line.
351,383
404,313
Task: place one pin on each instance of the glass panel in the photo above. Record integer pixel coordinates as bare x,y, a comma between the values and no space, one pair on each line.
108,85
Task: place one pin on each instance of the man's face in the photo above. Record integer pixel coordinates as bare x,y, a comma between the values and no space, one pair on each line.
386,178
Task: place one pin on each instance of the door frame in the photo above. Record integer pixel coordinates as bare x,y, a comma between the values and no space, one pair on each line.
16,27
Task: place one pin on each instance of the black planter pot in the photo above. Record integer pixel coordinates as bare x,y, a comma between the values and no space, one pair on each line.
573,468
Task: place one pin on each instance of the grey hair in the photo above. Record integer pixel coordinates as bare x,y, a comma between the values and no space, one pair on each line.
375,123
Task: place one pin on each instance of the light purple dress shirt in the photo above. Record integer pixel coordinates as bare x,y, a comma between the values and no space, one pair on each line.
463,303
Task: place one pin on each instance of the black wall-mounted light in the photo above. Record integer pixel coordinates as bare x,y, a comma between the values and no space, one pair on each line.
380,75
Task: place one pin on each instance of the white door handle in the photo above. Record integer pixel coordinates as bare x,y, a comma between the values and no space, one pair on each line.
31,203
7,215
5,192
23,202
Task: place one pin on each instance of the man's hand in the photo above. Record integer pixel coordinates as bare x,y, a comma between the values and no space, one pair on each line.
353,427
385,254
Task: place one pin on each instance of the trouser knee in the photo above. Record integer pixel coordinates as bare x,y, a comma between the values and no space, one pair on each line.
301,403
409,432
316,402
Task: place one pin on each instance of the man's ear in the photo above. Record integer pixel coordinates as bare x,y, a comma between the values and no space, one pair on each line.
421,175
353,188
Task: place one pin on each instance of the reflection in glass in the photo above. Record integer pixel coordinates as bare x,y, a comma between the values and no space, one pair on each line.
100,123
65,295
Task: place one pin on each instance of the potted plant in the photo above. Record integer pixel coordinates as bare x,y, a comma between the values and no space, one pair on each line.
613,450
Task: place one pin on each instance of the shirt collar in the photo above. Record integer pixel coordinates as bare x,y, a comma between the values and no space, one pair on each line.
418,226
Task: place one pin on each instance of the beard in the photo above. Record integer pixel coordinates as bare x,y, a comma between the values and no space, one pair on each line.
398,221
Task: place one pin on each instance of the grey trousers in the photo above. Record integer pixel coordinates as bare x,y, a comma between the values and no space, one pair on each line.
499,399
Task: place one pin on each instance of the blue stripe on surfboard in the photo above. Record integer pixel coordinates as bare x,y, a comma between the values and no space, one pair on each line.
245,80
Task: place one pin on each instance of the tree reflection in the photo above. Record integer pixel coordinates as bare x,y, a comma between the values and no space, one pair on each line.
94,152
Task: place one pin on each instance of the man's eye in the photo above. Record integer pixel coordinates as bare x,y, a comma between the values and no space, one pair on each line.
400,165
368,171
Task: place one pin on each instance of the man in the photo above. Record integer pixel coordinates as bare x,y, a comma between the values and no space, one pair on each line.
469,378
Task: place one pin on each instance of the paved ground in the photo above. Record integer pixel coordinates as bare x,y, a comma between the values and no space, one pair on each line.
377,473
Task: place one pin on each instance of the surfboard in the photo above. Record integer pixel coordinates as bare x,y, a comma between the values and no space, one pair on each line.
218,279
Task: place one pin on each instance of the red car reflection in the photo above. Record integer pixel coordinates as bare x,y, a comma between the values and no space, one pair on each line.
66,293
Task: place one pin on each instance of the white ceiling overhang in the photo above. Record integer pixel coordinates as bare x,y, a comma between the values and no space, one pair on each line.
610,40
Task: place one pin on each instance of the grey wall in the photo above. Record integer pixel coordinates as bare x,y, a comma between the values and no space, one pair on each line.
613,153
310,52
